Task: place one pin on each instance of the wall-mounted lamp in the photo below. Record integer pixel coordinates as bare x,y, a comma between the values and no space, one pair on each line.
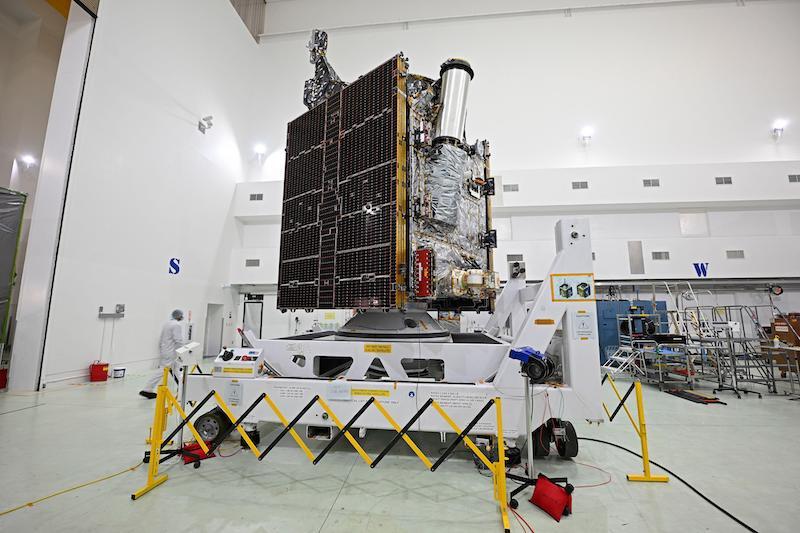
28,160
587,132
778,127
205,124
260,149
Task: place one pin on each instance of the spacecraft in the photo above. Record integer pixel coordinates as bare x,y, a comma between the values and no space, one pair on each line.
386,205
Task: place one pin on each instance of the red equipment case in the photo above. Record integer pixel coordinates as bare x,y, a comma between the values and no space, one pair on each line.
98,371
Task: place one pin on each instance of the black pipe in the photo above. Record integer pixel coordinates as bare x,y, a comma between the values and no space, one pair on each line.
286,430
344,430
621,403
186,420
227,432
402,432
463,434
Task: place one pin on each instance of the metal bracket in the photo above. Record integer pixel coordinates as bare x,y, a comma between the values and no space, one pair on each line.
488,187
490,239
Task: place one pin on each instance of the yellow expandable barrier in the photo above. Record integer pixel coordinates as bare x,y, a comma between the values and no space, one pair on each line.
165,401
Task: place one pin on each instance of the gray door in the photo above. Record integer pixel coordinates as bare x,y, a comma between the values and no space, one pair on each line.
215,321
253,311
12,205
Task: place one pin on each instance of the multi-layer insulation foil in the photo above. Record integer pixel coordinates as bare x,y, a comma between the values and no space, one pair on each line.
449,205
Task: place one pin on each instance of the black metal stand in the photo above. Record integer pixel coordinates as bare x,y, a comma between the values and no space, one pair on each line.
524,483
182,452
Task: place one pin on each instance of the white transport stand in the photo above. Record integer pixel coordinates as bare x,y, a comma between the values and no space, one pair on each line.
186,359
476,366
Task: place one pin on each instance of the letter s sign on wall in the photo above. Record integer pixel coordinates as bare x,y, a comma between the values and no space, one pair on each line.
174,265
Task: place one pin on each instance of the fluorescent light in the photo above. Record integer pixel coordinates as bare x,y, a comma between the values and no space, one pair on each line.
28,159
260,149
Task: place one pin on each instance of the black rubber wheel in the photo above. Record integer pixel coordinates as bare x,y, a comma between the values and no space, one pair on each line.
513,503
196,465
212,424
254,435
542,436
567,445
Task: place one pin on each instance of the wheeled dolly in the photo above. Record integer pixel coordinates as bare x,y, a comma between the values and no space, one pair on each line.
560,432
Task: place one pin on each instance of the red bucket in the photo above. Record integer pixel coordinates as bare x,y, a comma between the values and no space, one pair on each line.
98,371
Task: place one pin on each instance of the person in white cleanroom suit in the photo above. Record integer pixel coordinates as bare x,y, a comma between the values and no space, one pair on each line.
171,339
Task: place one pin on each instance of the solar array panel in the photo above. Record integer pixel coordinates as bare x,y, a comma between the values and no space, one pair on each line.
341,246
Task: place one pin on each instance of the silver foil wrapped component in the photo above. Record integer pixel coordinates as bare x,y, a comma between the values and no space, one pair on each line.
446,171
325,81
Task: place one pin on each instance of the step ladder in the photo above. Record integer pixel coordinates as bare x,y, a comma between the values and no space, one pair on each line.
625,359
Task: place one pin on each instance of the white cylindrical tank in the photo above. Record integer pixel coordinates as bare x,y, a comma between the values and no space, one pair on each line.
456,75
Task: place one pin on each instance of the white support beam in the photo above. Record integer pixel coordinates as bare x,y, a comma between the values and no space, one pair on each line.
27,356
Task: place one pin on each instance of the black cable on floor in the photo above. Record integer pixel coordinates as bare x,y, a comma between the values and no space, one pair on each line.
679,478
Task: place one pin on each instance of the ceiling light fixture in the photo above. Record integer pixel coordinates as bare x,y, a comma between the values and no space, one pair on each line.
777,128
587,132
205,124
28,159
260,149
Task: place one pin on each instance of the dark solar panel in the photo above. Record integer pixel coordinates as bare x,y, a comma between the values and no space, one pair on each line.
338,230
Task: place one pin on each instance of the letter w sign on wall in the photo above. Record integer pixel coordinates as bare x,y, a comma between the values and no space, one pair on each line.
701,269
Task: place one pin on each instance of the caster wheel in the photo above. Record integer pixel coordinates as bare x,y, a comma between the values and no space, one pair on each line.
567,445
759,396
146,460
566,512
513,503
212,424
542,436
196,465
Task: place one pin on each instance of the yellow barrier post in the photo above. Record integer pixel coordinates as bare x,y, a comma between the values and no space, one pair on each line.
625,407
499,478
643,436
348,436
467,440
242,432
292,432
157,431
164,401
405,437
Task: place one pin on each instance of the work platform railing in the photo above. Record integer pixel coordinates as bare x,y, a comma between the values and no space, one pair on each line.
166,401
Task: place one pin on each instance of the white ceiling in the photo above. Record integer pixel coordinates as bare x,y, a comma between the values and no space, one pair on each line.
300,16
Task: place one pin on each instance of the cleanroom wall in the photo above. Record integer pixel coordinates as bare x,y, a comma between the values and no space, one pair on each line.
146,186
